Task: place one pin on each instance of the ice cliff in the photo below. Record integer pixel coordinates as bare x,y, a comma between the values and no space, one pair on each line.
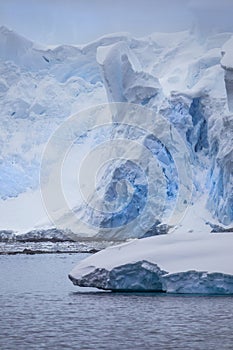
184,79
189,260
185,83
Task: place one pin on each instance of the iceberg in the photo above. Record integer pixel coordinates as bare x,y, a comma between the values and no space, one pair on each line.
172,263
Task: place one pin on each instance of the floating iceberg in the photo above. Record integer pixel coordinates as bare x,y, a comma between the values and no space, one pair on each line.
173,263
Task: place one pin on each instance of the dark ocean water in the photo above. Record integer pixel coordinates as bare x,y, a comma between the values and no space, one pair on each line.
41,309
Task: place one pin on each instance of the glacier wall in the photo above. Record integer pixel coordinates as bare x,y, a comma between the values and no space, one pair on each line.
221,173
199,114
39,88
185,80
227,65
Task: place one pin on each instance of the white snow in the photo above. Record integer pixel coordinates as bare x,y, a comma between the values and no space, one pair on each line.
23,213
173,252
227,52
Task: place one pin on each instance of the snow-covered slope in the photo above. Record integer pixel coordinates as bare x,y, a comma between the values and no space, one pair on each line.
176,74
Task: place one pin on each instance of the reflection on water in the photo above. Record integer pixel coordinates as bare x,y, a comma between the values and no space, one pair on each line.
41,309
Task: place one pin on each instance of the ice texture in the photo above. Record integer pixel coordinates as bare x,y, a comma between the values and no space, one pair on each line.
227,64
124,77
198,110
139,276
175,74
144,276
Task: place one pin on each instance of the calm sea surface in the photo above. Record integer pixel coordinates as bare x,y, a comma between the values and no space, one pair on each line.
41,309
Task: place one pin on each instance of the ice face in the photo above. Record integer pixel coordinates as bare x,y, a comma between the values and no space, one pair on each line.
123,76
39,88
175,75
143,276
229,88
195,115
227,64
221,174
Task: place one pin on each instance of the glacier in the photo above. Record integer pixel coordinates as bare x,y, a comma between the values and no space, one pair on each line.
187,82
198,105
182,77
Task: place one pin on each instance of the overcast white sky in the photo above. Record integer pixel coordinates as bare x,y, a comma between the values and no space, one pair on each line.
80,21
